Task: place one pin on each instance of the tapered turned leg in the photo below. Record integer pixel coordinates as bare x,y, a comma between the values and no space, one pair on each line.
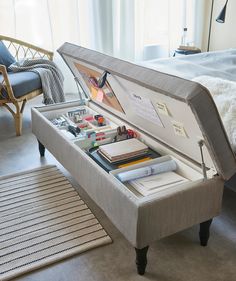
41,149
18,119
204,233
18,124
141,260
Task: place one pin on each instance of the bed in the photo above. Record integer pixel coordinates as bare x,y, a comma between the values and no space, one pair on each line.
214,70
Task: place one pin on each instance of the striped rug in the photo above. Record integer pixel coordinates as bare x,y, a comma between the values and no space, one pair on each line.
43,220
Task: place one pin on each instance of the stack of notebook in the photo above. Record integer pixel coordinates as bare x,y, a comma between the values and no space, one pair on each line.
123,150
108,166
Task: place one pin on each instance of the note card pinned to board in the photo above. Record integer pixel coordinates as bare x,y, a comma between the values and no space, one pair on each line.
179,129
94,93
144,108
162,108
100,95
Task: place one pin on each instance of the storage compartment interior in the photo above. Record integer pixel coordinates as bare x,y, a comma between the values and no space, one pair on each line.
174,173
91,135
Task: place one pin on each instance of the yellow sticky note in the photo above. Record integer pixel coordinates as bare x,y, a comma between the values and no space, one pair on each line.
94,93
162,108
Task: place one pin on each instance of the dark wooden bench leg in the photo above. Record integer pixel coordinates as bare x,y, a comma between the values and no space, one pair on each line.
141,259
204,233
41,149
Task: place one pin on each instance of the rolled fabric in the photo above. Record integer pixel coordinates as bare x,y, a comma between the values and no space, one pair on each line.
164,167
134,174
158,168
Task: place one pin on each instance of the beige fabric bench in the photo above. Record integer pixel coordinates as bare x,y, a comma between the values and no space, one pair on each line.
143,220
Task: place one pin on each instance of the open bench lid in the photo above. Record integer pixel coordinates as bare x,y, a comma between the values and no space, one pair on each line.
178,112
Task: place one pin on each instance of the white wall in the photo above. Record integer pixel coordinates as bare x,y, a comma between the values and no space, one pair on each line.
223,35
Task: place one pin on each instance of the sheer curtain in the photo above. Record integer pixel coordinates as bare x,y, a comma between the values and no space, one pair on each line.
129,29
45,23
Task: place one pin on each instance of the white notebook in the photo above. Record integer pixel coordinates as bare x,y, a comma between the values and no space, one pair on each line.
152,184
123,149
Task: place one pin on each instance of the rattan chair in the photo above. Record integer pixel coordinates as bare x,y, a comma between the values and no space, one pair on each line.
19,50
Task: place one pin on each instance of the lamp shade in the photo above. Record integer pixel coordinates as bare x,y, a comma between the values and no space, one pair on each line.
221,17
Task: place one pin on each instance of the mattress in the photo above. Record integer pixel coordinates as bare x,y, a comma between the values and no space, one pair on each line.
214,70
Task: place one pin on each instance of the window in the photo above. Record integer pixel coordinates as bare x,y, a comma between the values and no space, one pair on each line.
163,22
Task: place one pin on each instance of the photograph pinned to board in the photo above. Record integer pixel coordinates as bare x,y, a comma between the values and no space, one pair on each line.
144,108
104,94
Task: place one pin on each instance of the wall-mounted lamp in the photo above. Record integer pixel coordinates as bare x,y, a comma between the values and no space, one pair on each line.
219,19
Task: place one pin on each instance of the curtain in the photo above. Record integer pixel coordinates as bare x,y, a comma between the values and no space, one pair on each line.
161,23
133,30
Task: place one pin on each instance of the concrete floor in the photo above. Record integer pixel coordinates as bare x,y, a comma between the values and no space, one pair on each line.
175,258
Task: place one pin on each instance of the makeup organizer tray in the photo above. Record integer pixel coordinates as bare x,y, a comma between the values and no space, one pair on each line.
80,125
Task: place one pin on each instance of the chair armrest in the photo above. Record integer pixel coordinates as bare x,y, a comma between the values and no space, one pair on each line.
5,83
29,50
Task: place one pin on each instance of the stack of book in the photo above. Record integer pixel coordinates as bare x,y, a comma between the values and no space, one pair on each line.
123,150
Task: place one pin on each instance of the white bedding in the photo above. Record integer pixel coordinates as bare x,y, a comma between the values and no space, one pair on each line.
224,95
221,64
217,72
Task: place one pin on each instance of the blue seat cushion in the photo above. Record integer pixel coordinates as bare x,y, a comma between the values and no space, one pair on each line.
5,56
22,83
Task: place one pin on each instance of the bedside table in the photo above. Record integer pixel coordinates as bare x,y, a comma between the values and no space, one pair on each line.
186,50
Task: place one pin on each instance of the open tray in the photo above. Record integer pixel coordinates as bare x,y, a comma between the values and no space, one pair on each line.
182,169
84,139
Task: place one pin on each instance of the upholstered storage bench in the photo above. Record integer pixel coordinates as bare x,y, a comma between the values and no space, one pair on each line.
175,117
